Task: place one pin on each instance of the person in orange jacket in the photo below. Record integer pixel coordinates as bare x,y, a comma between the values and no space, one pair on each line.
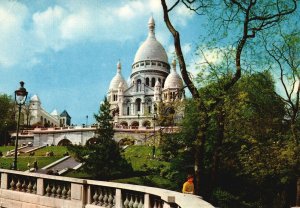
188,186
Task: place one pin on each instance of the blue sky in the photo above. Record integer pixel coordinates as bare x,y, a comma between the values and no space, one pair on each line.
66,51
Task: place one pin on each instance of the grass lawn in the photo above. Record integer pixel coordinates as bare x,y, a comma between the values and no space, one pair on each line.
140,158
23,160
57,150
146,169
4,149
5,162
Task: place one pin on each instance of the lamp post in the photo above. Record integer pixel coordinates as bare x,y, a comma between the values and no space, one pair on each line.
154,119
87,118
5,132
20,98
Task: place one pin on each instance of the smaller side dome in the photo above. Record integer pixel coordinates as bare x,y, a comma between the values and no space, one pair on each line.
35,98
173,80
117,79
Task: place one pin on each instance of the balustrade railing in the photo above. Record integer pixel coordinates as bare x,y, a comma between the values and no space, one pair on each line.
57,189
22,183
18,189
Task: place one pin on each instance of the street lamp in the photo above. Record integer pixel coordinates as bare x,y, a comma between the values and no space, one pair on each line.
154,119
5,132
20,98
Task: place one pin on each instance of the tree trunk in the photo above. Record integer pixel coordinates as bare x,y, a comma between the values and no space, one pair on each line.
298,193
199,158
216,157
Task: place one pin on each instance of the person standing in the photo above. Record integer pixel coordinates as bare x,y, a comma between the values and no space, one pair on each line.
188,186
35,166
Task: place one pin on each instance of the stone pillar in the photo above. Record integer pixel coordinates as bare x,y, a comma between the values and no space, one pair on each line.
132,109
40,187
147,201
4,181
142,108
76,192
89,195
121,109
118,198
166,205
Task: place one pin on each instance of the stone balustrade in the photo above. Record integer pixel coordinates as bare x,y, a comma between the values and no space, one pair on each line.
20,189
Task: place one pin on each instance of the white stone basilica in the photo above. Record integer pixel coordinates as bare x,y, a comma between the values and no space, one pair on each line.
151,83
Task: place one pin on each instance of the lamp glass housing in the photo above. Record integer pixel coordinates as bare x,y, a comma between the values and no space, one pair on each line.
21,94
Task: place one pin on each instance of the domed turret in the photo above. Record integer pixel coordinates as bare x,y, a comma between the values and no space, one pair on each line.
117,79
173,80
35,102
151,49
35,98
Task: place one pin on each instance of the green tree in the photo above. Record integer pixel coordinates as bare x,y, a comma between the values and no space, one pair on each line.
103,159
285,52
245,18
7,117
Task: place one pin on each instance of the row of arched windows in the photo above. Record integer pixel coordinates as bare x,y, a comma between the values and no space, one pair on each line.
45,122
150,63
149,82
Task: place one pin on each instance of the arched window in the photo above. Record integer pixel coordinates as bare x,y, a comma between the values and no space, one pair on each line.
128,111
138,104
147,81
159,80
115,97
148,105
127,107
153,82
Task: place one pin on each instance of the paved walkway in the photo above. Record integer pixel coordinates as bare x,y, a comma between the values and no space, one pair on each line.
61,167
69,163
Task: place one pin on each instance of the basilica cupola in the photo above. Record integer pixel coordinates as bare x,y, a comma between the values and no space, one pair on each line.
114,83
151,57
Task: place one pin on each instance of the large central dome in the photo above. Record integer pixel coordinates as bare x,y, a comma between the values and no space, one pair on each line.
151,49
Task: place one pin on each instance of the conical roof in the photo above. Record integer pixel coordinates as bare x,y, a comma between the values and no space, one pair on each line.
35,98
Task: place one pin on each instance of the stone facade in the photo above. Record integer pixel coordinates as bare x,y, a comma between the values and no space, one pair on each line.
151,83
40,117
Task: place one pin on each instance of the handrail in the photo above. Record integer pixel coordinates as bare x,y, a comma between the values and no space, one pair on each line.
19,187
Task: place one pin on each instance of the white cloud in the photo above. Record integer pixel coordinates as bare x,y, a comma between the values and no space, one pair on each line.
12,37
46,28
207,56
24,35
186,49
289,86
